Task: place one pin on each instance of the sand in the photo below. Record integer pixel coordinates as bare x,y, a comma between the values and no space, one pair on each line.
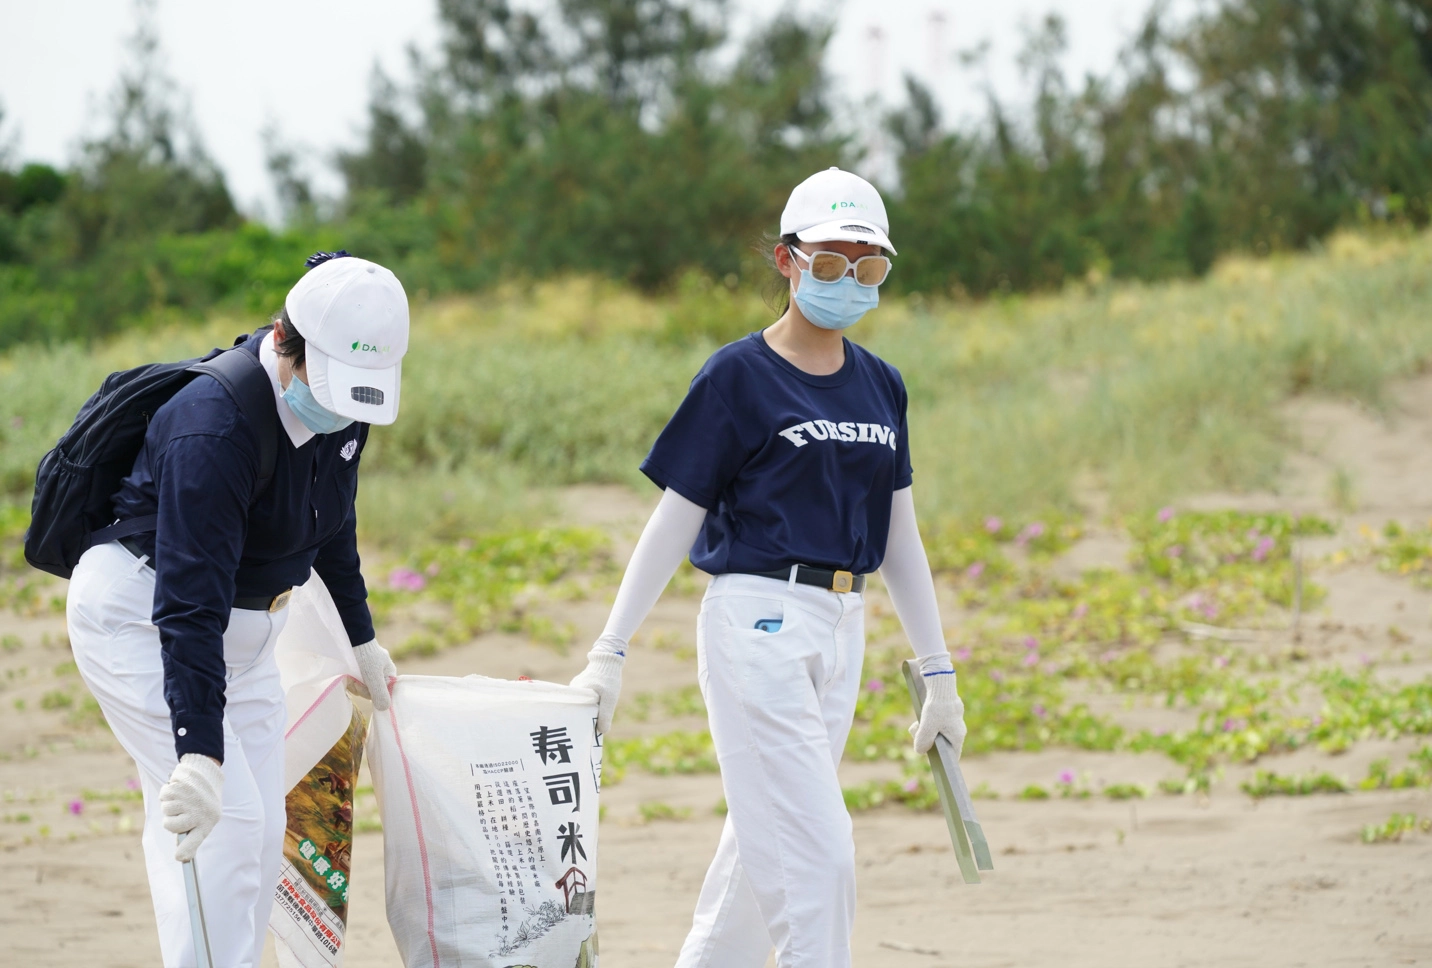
1166,881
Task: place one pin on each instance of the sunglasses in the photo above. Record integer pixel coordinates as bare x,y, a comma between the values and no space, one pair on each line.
831,267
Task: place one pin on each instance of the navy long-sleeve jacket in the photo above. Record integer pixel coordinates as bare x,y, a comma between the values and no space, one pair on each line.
217,540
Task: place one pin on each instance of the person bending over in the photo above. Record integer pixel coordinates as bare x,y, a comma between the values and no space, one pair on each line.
173,628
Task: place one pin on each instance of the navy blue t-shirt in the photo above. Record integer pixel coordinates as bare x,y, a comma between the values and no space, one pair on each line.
792,468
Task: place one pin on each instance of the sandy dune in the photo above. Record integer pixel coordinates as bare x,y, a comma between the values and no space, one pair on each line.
1168,881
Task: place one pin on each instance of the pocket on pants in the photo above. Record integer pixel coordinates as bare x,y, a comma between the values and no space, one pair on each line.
742,612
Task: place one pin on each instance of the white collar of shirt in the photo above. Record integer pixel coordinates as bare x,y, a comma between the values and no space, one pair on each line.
297,431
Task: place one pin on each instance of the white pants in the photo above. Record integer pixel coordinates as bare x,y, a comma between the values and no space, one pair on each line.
116,647
780,705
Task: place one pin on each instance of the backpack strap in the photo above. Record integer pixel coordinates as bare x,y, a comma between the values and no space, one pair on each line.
123,529
241,373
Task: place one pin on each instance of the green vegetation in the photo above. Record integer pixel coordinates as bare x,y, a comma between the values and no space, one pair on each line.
644,143
662,811
1125,791
1416,774
681,751
1395,828
1143,392
1030,645
57,699
917,791
480,581
1266,783
685,701
1405,551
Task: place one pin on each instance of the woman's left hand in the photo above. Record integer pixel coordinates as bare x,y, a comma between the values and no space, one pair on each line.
942,715
376,667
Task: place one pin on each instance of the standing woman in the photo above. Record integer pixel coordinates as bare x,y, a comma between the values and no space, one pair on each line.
173,628
786,473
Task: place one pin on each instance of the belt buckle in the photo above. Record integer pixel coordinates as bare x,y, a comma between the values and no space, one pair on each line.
280,601
843,581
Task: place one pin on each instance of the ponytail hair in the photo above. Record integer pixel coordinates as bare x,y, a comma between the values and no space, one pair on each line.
777,288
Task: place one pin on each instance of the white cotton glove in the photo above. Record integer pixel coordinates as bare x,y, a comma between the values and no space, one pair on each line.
192,801
603,675
376,667
942,714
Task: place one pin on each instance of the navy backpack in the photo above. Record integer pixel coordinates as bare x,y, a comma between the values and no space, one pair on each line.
76,482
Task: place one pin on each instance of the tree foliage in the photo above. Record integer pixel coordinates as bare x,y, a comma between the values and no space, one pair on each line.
1255,125
638,140
602,141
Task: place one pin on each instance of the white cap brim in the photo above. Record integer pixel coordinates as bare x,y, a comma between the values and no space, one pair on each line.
334,384
847,230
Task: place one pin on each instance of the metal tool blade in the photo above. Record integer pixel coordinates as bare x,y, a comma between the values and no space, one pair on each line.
196,913
971,848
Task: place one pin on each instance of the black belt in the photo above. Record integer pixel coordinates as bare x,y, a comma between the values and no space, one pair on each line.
256,603
828,578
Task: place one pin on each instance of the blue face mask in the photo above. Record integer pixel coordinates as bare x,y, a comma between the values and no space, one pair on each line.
300,400
835,305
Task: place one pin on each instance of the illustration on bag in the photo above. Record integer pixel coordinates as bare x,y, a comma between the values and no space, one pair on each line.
317,854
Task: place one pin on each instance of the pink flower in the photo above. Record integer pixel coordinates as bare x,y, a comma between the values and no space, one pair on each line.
1040,711
1080,610
1174,551
77,807
1165,515
912,785
875,685
1260,550
406,580
432,570
1031,659
1030,532
1066,777
993,525
975,570
1030,642
996,675
131,784
962,654
1220,661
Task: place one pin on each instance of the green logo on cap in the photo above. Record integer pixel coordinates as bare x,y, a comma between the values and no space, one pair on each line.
354,346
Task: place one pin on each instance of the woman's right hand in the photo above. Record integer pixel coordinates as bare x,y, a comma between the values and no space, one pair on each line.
192,801
603,675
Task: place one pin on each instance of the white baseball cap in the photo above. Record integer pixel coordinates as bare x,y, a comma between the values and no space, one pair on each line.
353,316
836,205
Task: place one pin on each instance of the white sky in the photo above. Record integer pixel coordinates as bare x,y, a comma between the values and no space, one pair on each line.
305,65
